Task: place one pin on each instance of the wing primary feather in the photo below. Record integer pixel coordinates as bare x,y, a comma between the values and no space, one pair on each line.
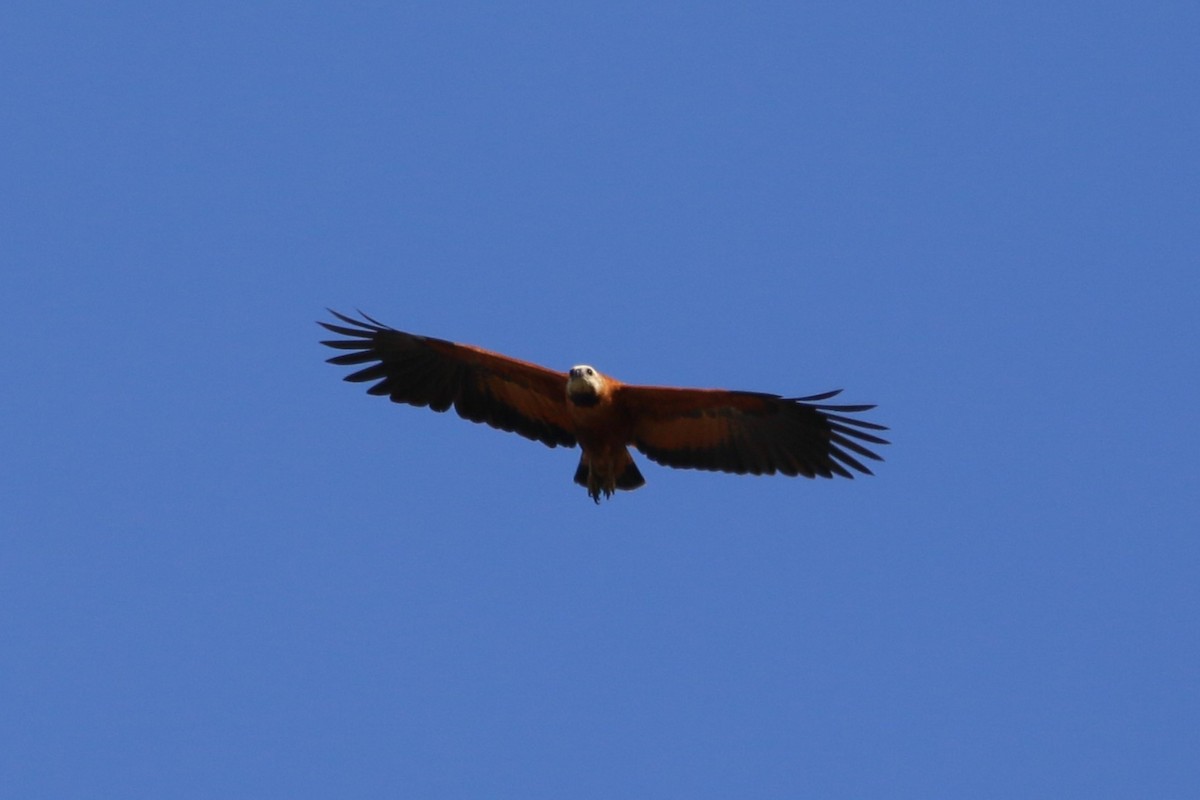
835,467
846,458
812,398
866,437
357,323
856,447
341,330
372,373
848,409
357,357
861,423
379,325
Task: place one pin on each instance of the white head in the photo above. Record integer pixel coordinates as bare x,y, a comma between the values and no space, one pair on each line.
584,380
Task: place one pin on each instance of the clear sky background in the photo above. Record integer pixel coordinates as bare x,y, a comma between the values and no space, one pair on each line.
226,573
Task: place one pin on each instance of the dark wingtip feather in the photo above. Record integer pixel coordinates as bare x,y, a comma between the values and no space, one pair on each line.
367,324
342,331
858,423
843,449
372,320
850,461
813,398
866,437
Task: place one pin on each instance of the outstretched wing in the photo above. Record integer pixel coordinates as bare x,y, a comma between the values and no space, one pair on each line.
482,386
742,432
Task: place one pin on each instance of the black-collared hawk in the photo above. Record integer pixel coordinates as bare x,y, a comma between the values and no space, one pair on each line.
711,429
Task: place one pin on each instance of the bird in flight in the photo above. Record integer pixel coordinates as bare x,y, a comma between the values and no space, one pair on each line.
709,429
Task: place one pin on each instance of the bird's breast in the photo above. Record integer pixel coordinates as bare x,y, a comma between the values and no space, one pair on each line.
600,422
583,399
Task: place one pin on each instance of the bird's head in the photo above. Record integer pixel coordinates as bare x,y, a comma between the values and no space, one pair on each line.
584,383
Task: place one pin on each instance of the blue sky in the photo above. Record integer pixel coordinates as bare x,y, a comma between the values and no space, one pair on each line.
224,572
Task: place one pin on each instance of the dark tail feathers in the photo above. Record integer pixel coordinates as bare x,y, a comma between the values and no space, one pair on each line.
629,479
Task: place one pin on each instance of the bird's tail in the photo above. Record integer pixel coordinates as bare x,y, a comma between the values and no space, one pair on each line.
625,476
630,477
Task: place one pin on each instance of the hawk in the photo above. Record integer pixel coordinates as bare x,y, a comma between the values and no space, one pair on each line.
709,429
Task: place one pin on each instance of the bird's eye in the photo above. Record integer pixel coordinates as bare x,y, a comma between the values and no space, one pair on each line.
590,372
